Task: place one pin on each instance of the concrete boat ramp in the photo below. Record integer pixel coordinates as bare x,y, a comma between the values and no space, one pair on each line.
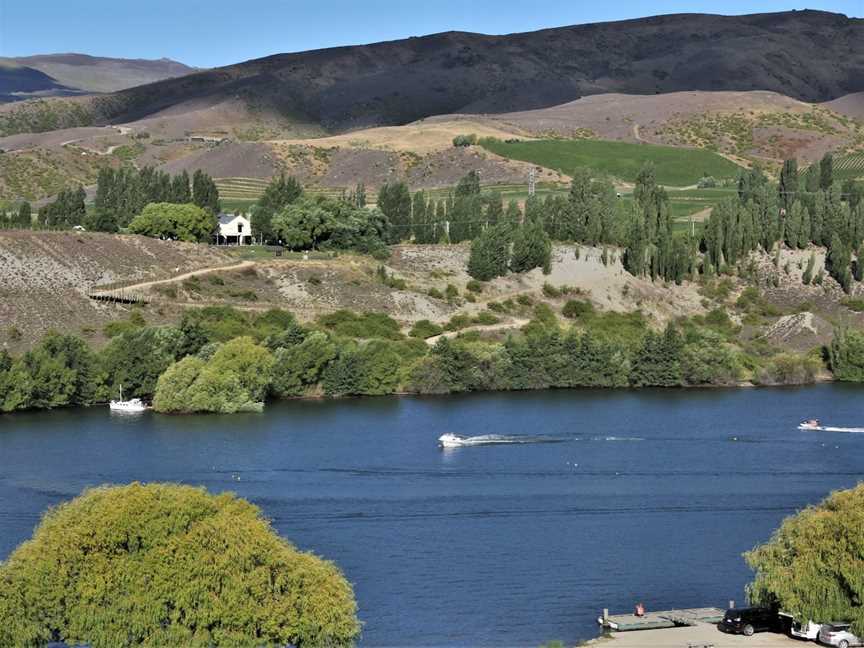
658,620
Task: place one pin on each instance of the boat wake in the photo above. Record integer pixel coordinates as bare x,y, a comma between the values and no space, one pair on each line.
458,441
828,428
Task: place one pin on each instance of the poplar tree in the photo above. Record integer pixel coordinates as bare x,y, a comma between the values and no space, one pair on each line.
24,216
490,252
788,188
394,201
531,248
826,171
204,192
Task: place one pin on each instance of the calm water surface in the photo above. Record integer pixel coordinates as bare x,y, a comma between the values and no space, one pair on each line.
652,496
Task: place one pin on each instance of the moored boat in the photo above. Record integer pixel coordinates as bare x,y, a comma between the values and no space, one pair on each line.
131,405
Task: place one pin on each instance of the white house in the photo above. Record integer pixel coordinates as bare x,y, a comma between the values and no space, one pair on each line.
234,229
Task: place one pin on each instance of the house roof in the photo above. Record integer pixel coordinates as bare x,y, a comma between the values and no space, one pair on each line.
226,219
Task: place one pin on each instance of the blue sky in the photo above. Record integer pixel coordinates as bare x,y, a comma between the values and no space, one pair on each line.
208,33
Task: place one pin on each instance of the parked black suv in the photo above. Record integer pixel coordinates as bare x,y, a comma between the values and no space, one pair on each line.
746,621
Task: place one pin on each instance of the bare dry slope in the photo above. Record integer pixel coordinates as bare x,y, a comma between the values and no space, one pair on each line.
810,55
47,276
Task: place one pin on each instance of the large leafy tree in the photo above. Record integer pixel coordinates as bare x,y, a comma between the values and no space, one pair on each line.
169,565
135,359
324,223
813,566
280,192
170,221
236,378
847,355
59,372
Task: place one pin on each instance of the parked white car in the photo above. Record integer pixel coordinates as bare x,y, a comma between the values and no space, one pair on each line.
838,634
808,630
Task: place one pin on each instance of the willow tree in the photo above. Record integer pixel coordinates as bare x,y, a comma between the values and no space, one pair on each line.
813,566
169,565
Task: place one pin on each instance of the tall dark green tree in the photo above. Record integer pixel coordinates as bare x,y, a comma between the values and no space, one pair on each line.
838,262
181,189
24,215
826,171
490,252
788,188
532,248
658,362
394,201
205,194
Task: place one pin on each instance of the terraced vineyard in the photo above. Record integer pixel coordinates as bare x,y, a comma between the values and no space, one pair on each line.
240,193
849,166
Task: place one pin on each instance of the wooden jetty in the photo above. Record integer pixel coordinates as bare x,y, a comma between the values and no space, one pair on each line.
662,619
119,295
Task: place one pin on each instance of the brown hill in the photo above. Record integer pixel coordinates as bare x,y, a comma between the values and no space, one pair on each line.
65,74
851,105
808,55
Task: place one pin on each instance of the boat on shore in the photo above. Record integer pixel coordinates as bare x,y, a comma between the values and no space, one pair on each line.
133,405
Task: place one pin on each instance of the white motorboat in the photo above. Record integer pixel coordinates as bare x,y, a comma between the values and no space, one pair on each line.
131,405
810,424
450,440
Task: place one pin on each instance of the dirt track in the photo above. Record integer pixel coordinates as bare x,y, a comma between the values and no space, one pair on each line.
697,636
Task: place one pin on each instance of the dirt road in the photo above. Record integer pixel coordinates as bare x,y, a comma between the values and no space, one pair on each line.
186,275
698,636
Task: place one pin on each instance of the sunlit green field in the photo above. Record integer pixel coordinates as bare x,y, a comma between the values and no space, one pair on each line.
679,167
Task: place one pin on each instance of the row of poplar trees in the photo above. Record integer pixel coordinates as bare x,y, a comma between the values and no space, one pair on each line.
121,194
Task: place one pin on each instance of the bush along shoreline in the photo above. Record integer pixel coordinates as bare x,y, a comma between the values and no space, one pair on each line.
221,360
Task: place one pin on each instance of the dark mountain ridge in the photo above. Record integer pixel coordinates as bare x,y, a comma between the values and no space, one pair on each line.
809,55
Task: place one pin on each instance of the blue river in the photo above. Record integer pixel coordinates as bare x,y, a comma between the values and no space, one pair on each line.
650,496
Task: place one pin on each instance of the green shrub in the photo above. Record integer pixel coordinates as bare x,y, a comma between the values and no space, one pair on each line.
458,322
425,329
524,300
451,292
465,140
551,291
474,286
435,293
361,325
169,565
577,308
113,329
486,319
855,304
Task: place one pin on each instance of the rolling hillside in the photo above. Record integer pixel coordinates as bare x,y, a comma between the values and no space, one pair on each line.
69,74
808,55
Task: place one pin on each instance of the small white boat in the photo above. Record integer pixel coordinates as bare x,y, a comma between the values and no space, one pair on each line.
450,440
810,424
131,405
